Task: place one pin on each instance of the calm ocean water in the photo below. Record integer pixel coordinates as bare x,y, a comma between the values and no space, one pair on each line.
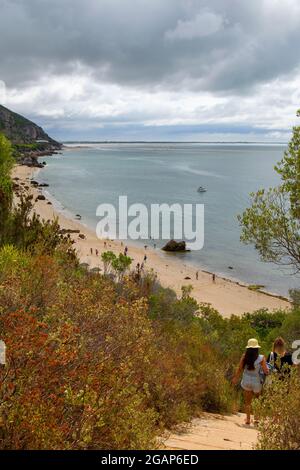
80,179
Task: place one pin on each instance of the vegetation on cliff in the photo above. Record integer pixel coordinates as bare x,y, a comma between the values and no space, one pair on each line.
22,131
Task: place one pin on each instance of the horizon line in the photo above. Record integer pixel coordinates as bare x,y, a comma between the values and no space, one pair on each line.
171,142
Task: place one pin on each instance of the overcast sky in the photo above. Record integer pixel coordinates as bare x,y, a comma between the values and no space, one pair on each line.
153,69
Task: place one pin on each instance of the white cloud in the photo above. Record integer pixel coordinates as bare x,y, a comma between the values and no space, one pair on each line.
203,24
77,102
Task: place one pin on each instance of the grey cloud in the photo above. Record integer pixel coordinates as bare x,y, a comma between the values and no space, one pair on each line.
221,45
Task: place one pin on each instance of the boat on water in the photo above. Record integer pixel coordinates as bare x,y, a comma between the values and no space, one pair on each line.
201,189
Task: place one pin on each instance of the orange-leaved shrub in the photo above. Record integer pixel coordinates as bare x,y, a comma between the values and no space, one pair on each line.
90,362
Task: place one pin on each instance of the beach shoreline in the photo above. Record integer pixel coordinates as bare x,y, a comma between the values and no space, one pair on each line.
225,295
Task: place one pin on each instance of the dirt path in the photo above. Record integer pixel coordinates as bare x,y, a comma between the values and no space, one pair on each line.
215,432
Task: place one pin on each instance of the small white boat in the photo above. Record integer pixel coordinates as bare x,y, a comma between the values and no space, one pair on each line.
201,189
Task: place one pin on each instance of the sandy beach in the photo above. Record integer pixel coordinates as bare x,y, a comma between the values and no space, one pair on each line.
227,296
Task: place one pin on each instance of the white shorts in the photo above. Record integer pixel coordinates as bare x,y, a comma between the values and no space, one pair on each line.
251,384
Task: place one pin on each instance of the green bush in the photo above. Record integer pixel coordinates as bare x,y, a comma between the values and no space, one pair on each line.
279,413
6,164
264,321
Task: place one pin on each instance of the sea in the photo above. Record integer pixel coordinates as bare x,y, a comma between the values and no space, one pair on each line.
85,175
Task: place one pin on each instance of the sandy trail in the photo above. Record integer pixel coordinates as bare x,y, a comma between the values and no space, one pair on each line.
224,295
214,432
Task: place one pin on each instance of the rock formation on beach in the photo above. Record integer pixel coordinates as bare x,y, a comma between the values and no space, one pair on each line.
175,246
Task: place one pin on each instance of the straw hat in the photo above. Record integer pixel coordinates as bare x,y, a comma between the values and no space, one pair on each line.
252,344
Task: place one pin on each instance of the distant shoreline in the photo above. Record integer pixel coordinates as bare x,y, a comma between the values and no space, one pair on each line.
171,142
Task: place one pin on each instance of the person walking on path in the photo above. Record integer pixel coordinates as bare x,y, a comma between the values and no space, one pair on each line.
251,365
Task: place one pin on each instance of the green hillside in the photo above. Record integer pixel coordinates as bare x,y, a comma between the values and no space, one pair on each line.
21,130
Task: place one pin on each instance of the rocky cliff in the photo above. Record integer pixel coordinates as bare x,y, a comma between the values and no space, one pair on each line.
21,131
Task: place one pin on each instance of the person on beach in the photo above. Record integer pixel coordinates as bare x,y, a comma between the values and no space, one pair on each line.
251,364
214,277
145,258
197,275
137,274
97,252
279,358
91,251
125,250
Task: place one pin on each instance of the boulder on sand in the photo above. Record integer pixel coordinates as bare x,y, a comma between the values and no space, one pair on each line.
175,246
40,197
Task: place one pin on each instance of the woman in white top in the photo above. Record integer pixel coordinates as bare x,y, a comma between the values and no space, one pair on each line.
251,364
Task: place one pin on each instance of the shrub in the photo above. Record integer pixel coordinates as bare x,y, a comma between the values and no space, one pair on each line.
6,163
290,329
76,375
264,321
93,366
28,232
279,413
